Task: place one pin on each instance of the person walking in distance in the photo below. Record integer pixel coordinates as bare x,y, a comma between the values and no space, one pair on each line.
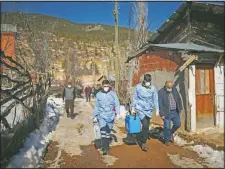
87,91
170,106
145,100
69,95
105,101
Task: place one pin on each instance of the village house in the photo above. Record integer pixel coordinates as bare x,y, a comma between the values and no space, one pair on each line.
8,36
189,49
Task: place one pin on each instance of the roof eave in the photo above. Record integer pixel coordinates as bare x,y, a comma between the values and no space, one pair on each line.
140,52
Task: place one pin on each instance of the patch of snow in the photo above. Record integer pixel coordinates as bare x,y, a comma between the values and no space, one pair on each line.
109,160
184,162
210,130
180,141
212,158
30,155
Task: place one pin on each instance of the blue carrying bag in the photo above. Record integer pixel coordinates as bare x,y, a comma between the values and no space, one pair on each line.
133,124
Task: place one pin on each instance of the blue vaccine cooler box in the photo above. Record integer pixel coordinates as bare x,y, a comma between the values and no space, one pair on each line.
132,124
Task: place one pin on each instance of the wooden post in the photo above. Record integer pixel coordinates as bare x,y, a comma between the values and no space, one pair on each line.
187,107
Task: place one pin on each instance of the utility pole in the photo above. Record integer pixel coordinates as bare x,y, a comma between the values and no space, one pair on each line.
93,66
116,57
73,66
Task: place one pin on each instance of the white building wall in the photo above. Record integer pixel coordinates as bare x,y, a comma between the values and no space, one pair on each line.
219,94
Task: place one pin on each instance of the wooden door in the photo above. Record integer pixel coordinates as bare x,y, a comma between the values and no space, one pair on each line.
205,98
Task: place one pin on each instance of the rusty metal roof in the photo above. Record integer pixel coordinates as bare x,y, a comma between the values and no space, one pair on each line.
177,46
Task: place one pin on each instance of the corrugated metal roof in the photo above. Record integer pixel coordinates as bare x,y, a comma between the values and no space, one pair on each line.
187,46
177,46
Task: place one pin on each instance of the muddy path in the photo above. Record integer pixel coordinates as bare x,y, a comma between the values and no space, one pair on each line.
72,147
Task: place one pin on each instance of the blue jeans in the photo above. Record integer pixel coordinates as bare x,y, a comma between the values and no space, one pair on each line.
168,132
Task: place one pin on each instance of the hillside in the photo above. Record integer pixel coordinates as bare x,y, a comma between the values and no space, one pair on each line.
56,40
65,28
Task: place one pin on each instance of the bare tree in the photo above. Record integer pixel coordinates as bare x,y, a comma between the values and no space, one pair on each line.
139,28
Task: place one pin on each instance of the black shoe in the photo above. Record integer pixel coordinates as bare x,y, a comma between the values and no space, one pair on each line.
105,152
167,143
144,147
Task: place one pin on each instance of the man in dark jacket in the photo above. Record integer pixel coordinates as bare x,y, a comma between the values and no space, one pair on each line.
69,95
170,107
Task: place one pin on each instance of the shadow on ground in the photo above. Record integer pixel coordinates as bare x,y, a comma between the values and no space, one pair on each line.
135,139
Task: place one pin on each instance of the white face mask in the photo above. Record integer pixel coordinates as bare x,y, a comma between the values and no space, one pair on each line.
69,86
169,89
106,89
147,83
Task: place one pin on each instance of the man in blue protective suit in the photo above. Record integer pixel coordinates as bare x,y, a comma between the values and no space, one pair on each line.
105,102
145,100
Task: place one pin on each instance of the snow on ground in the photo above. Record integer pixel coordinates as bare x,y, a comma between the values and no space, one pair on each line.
16,113
211,158
180,141
208,156
210,130
73,134
184,162
30,155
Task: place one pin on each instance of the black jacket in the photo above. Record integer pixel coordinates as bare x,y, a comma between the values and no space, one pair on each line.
164,102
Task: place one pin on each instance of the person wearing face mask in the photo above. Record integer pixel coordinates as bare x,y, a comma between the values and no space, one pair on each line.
145,100
69,95
170,106
105,101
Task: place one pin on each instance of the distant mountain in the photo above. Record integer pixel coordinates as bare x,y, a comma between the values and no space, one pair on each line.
65,28
58,36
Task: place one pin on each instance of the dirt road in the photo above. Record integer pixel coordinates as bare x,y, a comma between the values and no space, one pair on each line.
72,147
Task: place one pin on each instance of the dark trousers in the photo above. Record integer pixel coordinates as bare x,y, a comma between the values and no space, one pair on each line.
168,132
69,105
105,132
88,97
145,128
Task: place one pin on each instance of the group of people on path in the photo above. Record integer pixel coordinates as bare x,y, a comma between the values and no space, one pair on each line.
91,91
146,99
69,95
